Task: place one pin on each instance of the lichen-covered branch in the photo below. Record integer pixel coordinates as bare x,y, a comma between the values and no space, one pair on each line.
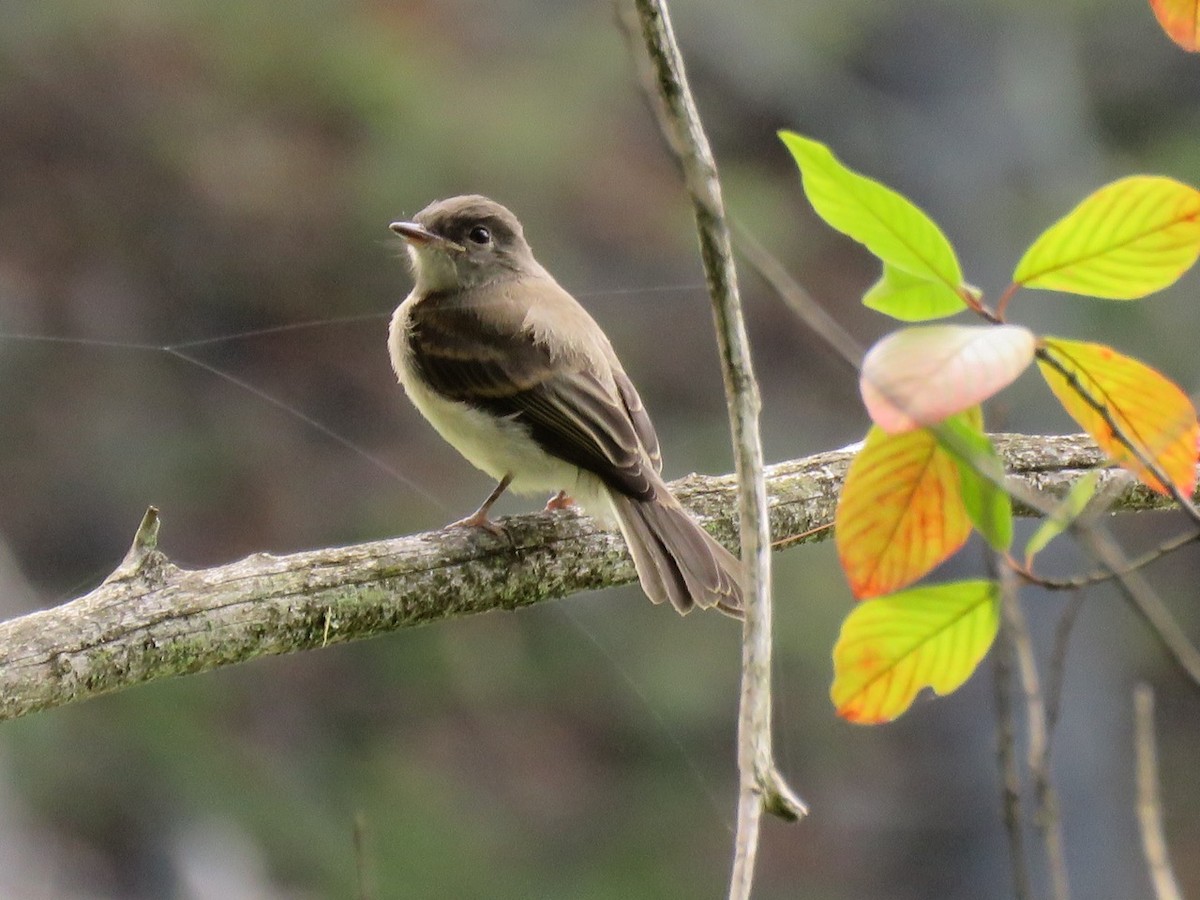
151,619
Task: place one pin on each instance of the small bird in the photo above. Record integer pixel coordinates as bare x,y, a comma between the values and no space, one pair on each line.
515,375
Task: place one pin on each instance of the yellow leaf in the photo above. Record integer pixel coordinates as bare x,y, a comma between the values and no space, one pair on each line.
892,647
900,512
1180,19
1128,239
1148,409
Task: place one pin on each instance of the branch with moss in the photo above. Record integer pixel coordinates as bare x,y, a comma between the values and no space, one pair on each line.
151,619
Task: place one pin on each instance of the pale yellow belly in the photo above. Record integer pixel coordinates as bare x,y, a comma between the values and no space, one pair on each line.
497,446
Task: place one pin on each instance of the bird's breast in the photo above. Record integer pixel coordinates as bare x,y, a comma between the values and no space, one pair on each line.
497,445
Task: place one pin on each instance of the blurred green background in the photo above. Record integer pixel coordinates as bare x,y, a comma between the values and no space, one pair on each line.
178,170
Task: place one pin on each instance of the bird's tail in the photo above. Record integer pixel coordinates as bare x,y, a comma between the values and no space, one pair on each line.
676,559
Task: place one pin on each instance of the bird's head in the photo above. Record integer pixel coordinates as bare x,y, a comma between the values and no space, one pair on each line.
465,242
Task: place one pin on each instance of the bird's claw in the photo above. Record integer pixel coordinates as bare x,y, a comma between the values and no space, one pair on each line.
479,519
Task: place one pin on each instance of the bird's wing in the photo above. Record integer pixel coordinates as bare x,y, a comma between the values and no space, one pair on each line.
639,418
572,412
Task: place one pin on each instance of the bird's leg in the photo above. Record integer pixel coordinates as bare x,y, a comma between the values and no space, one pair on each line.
479,518
561,500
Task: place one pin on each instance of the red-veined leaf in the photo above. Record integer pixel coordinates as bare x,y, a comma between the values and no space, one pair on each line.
900,512
1180,19
919,376
892,647
1147,408
1128,239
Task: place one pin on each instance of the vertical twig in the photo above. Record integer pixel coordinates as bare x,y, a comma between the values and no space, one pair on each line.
1057,667
361,867
1149,801
1010,774
1047,818
762,787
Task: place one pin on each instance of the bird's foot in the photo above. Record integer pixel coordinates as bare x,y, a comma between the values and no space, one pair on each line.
561,500
479,519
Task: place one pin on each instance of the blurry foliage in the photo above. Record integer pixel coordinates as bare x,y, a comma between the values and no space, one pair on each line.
179,170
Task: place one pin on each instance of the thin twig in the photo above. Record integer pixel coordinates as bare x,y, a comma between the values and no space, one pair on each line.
762,787
361,863
1046,817
1006,759
1144,600
1149,800
1153,555
1057,667
809,311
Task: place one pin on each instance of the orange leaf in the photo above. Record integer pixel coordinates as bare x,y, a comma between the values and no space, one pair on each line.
1180,19
892,647
1148,409
900,512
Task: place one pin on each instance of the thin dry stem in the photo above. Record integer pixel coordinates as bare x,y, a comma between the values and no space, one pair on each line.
1149,799
762,786
1046,817
1010,772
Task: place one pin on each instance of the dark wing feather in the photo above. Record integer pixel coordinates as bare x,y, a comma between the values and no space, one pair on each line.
501,368
639,418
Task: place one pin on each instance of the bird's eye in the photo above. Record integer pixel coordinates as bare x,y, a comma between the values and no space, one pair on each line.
480,235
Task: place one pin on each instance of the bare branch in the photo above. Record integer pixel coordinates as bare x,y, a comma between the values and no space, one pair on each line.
1046,816
1010,771
155,620
1057,665
1149,800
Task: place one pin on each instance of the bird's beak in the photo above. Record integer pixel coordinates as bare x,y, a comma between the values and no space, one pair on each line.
420,236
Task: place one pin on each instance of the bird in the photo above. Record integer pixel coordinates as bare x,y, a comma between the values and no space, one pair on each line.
518,377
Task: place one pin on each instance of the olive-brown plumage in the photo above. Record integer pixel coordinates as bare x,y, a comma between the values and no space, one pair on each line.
516,375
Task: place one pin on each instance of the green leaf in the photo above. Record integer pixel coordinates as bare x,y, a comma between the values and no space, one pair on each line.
885,222
981,474
1064,514
911,298
891,647
1128,239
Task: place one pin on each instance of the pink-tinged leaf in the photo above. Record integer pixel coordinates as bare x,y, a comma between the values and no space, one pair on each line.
1148,409
900,512
892,647
1130,238
918,376
1180,19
